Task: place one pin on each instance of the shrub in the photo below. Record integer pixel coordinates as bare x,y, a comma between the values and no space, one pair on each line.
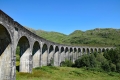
92,61
86,61
66,63
118,67
105,66
113,67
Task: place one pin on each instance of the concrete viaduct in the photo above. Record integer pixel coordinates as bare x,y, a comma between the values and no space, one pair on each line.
34,50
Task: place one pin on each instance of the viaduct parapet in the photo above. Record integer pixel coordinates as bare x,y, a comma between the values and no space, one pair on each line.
34,50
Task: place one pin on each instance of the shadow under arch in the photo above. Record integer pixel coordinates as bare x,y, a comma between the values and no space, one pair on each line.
5,52
74,54
88,51
61,57
56,54
50,55
91,51
83,51
44,55
66,53
99,50
103,50
79,52
71,54
95,50
23,56
36,54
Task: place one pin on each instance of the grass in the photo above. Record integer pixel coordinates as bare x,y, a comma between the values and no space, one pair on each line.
66,73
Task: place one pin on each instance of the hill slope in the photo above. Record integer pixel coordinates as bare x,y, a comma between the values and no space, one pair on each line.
96,37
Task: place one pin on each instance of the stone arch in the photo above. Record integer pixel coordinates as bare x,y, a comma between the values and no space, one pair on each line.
91,50
74,54
79,52
50,55
5,52
99,50
83,51
62,53
36,54
44,55
88,51
66,53
103,50
56,60
71,54
95,50
107,49
25,55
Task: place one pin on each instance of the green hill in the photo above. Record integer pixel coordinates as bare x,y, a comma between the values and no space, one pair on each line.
95,37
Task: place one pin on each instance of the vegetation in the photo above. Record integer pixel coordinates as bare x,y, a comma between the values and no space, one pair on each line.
96,37
66,73
108,61
66,63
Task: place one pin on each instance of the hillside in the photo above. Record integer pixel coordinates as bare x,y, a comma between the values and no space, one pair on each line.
95,37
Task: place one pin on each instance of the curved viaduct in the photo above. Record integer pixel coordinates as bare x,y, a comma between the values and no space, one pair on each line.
34,50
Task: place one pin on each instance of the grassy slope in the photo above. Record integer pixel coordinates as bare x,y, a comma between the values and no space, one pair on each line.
66,73
96,37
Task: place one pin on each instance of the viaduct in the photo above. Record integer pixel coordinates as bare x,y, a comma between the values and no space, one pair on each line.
34,50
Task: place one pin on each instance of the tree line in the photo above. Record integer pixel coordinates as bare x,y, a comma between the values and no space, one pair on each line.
106,61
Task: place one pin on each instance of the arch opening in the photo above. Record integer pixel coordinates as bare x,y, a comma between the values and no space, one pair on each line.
83,51
99,50
79,52
91,51
88,51
5,39
44,55
95,50
36,54
23,56
71,54
75,54
66,53
103,50
50,57
5,52
61,58
56,59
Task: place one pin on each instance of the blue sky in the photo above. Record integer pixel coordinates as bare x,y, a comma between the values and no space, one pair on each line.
64,16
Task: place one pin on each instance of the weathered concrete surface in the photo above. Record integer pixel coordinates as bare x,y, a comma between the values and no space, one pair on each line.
44,55
34,50
56,58
36,55
51,55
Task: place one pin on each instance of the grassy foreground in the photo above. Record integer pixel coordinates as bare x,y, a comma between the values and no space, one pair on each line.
66,73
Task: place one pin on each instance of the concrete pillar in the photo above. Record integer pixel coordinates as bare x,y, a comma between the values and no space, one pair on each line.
36,55
56,54
66,53
44,55
51,55
61,56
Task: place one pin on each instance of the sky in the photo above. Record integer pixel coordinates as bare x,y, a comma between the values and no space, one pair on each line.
64,16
